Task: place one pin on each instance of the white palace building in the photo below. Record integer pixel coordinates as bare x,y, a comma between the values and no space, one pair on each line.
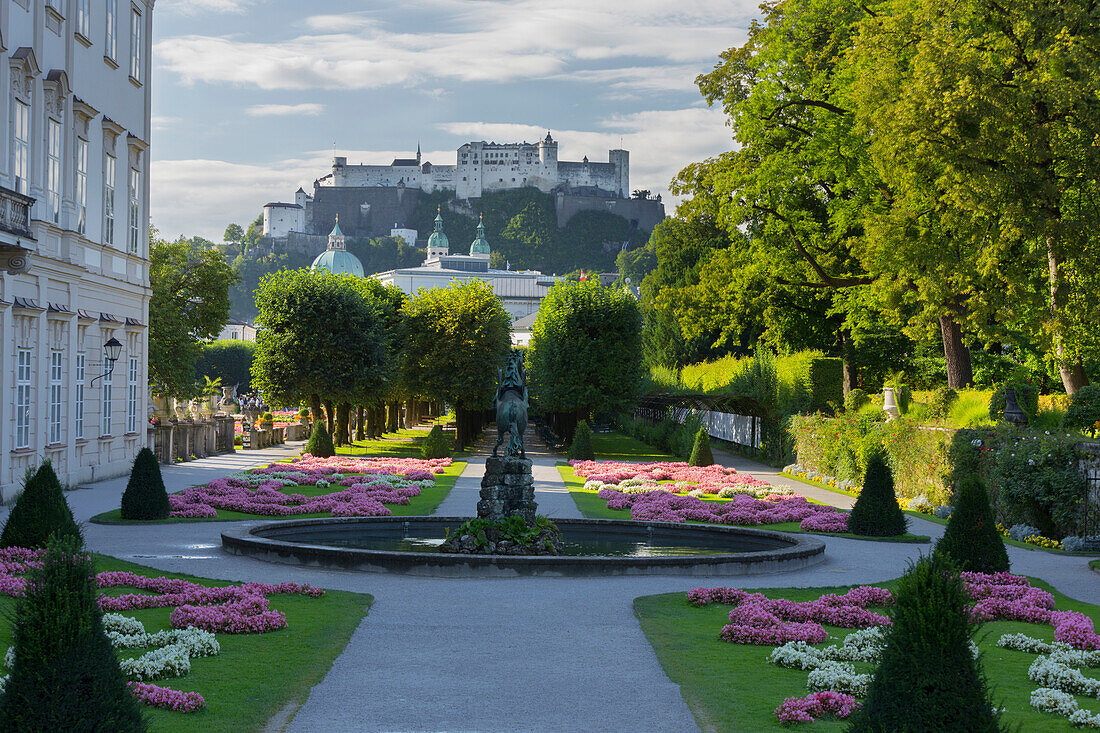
74,237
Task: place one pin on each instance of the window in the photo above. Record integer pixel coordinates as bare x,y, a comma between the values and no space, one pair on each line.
131,397
78,424
81,185
105,397
21,136
55,396
22,398
53,170
135,221
110,45
109,200
135,45
83,21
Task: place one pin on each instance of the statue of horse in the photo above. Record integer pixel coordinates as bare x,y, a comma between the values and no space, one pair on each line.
510,405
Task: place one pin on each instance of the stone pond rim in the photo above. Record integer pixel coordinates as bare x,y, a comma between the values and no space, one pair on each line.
789,552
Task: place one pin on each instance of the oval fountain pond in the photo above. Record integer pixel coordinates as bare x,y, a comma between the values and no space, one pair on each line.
593,547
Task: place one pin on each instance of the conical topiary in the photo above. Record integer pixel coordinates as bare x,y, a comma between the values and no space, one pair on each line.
876,512
971,538
320,443
145,497
927,679
700,452
41,510
581,447
435,445
65,676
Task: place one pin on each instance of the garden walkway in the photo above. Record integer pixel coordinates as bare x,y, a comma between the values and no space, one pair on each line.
522,654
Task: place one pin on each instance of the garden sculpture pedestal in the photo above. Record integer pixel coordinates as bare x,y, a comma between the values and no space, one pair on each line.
507,488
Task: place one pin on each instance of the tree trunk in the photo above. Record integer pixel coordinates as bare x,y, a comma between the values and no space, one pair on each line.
393,420
330,415
410,414
851,374
959,372
1072,372
460,428
315,406
359,419
343,416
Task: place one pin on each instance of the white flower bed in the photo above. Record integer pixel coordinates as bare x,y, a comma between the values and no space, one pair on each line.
1059,670
167,661
1050,700
838,677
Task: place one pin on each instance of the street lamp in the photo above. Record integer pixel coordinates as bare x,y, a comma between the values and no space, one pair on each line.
111,351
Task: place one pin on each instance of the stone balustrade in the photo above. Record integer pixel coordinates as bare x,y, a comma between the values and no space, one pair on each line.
185,440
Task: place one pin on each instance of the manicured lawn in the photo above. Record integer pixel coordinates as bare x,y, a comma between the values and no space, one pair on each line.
619,447
593,507
731,687
421,505
402,444
1095,564
255,675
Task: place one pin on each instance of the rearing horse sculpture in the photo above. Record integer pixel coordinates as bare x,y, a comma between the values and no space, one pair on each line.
510,404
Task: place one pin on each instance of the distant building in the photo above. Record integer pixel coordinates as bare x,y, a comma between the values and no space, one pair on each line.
238,331
74,238
520,292
337,258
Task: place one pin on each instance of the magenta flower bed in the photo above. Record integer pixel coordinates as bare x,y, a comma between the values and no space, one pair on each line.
815,705
667,502
365,494
232,609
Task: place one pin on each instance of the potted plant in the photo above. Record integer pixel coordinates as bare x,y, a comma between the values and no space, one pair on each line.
210,388
267,421
303,415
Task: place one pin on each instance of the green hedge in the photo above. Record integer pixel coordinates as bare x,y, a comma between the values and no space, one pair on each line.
229,359
826,376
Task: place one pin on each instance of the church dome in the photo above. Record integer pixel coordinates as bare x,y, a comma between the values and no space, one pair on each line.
480,245
338,261
438,240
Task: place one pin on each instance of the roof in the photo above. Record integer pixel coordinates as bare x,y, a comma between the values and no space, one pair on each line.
280,205
526,323
336,229
338,261
480,245
405,161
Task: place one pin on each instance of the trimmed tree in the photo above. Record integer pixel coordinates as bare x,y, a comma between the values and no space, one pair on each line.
876,512
40,511
435,445
320,442
700,452
927,678
581,448
145,496
66,674
971,539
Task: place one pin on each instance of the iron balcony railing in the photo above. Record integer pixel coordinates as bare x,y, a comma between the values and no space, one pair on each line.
15,213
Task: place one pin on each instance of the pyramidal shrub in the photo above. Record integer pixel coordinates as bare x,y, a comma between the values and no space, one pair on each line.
435,445
971,539
65,676
320,443
927,679
700,452
145,496
581,447
40,511
876,512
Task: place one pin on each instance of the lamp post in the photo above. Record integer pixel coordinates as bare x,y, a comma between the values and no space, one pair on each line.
111,351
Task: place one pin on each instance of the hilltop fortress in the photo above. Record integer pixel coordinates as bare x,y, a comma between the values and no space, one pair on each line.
375,200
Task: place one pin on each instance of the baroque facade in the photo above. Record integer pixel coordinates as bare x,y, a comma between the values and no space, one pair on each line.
74,237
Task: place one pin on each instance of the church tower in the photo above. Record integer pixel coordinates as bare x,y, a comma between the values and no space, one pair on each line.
480,246
437,242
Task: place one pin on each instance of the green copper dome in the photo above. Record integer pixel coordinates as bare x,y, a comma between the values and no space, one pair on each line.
438,240
338,261
480,246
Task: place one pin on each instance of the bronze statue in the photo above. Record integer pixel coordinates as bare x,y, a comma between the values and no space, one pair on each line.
510,404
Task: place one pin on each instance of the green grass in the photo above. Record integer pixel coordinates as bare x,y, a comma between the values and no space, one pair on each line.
731,687
402,444
255,675
421,505
593,507
970,410
618,447
1094,564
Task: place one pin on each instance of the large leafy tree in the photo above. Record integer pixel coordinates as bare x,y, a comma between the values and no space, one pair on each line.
985,119
189,306
455,339
586,353
324,338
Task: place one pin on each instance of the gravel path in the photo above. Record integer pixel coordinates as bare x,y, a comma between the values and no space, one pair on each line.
523,654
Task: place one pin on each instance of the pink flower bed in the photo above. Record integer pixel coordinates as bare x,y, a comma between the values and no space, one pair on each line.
669,504
233,609
166,697
363,495
815,705
757,619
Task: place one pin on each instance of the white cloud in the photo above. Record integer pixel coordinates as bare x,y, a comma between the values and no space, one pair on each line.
203,196
163,122
281,110
486,41
195,7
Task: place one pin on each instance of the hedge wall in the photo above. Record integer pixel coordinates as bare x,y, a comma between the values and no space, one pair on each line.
826,383
229,359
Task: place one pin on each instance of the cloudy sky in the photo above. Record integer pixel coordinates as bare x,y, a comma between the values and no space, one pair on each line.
251,96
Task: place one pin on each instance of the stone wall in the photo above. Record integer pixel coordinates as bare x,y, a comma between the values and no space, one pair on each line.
368,211
648,213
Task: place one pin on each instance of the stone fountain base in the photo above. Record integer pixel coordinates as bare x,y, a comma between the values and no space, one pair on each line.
507,488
